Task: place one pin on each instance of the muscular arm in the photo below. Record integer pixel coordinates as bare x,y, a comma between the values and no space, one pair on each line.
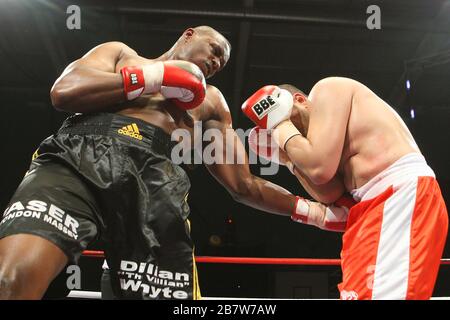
90,84
326,193
318,154
237,178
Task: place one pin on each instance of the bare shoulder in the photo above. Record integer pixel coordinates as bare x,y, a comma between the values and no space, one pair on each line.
335,82
334,85
104,57
215,95
215,106
112,47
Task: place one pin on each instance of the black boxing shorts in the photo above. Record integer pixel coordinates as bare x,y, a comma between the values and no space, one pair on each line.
110,177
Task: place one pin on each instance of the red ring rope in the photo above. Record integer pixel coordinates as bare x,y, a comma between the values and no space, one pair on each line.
245,260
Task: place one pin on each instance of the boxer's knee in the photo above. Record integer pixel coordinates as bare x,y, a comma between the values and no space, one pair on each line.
9,280
18,280
28,264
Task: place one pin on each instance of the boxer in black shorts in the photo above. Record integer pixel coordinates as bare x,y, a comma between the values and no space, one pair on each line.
81,187
108,173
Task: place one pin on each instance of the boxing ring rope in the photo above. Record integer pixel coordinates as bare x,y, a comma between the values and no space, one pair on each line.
78,294
245,260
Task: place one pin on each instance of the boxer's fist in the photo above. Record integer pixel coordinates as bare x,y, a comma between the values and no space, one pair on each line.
179,80
261,143
331,218
269,106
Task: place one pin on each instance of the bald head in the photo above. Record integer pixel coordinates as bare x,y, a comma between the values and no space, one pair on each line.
203,46
209,31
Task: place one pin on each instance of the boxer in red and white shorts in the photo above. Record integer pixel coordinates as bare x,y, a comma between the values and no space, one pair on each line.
395,235
342,139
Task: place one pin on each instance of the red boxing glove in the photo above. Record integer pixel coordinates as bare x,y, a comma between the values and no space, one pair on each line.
268,106
179,80
133,82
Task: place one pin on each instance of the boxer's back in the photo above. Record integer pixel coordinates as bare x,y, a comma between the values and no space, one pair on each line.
376,137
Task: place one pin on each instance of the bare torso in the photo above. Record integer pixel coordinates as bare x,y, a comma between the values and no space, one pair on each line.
376,137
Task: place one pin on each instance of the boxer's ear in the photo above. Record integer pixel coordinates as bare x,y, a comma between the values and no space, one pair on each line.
188,33
299,97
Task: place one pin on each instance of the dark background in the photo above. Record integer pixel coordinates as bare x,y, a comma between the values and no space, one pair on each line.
274,41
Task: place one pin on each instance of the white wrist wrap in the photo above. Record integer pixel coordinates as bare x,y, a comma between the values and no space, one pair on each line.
283,132
329,218
153,76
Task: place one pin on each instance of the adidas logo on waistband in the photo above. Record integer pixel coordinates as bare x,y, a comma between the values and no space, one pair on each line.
131,130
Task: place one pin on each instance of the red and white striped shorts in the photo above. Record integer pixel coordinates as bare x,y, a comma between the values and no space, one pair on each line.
394,241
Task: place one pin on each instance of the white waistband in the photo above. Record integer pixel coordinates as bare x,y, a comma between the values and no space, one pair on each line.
405,169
